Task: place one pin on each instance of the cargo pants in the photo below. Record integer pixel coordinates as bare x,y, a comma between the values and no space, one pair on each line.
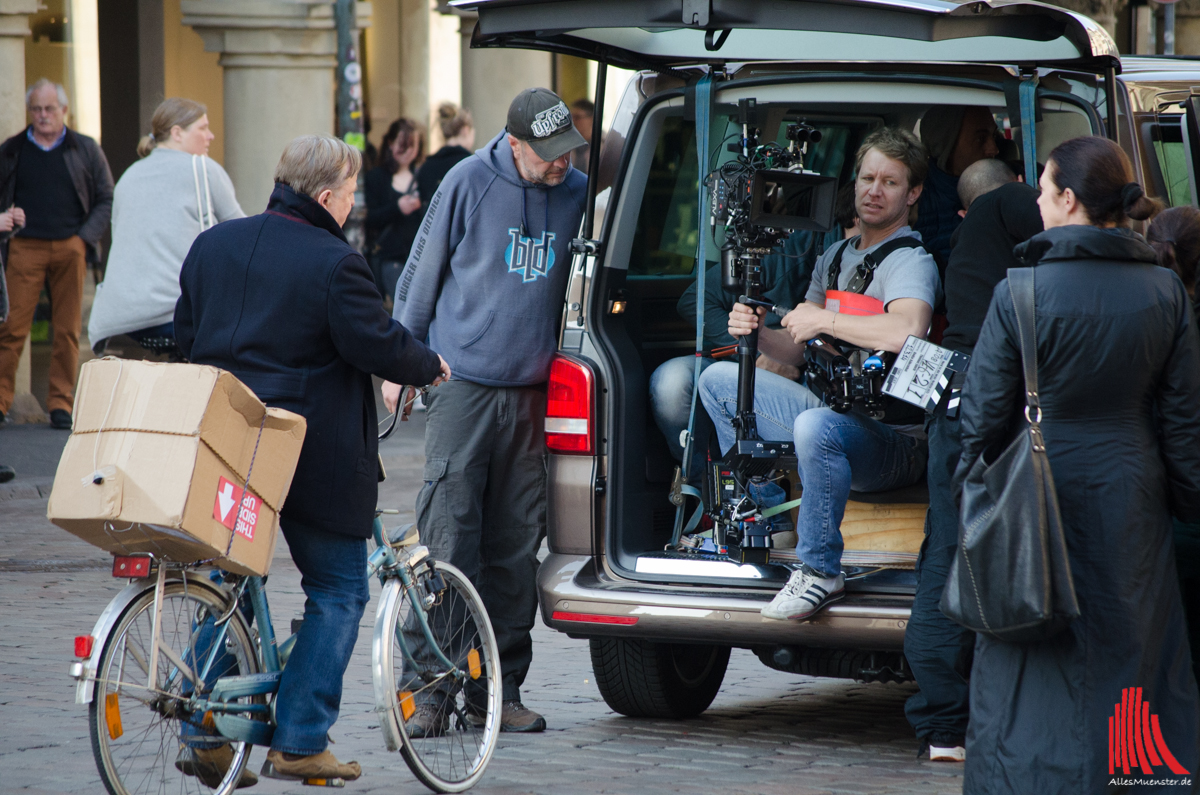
482,507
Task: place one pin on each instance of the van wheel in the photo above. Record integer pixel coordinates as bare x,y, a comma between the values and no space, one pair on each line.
658,680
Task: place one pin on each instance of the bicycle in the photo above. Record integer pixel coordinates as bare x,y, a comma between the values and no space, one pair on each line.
182,651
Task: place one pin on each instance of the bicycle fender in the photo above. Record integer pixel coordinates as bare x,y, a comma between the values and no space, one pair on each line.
85,672
381,666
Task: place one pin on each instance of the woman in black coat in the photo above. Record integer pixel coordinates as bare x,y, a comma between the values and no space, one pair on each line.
1119,377
394,203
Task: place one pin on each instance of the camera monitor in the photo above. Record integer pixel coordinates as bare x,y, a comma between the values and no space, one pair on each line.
792,200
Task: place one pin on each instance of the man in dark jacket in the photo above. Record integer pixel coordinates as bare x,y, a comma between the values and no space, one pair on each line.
1001,213
283,302
485,283
61,181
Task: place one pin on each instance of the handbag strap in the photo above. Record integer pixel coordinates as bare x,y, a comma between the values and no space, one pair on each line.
1021,288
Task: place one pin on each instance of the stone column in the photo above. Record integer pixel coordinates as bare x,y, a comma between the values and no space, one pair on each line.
491,78
279,58
14,27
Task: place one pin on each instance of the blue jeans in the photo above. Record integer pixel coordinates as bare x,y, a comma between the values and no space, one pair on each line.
333,574
834,453
671,401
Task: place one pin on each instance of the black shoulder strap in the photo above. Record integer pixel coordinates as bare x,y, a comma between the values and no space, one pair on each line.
866,270
1021,289
835,266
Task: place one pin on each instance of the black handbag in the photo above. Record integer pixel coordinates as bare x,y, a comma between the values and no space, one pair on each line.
1011,578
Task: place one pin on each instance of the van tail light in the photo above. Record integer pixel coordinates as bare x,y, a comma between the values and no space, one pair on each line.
570,408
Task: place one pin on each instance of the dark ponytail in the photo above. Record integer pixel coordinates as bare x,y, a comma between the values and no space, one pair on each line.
1100,175
1175,236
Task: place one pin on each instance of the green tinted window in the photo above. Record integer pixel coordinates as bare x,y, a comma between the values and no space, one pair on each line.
1173,162
665,241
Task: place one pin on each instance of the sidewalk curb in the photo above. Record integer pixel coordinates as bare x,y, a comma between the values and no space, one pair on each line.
26,489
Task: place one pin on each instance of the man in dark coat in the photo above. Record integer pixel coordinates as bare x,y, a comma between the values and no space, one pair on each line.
1001,213
283,302
59,183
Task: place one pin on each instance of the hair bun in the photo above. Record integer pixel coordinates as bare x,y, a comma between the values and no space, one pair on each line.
1130,193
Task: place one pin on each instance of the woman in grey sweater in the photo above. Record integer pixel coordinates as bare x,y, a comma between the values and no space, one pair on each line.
161,203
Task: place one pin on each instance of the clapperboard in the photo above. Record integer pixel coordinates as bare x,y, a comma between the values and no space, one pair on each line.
922,373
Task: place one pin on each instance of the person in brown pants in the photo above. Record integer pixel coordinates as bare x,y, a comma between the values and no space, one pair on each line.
57,185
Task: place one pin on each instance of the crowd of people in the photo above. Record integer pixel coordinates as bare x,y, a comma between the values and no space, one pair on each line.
1116,341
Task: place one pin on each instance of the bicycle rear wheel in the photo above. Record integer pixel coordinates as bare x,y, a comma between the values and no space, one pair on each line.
142,738
461,715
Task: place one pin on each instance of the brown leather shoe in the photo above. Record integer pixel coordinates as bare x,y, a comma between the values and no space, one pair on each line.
428,721
514,717
210,766
323,765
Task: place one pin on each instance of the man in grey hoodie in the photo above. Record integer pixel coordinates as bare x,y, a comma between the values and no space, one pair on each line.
484,286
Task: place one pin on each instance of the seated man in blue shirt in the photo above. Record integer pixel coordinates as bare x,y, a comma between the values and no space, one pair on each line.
837,452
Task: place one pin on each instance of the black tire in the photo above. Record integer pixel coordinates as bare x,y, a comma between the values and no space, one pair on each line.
658,680
453,759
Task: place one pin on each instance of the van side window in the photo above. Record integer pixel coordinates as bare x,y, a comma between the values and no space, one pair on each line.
1169,170
665,243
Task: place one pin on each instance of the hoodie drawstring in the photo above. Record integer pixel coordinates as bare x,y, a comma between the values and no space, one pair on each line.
545,215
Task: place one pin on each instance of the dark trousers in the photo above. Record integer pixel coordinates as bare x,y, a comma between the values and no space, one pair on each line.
333,574
483,505
939,651
1187,564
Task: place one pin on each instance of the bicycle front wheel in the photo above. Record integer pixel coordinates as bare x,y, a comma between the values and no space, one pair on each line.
146,739
444,719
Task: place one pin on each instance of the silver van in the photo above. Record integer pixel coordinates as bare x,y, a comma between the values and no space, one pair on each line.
661,623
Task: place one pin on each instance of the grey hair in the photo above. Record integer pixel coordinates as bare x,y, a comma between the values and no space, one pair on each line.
42,83
313,163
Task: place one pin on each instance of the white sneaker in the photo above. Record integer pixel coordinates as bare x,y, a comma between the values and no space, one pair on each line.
940,754
806,592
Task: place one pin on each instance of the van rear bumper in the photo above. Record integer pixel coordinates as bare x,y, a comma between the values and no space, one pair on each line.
576,600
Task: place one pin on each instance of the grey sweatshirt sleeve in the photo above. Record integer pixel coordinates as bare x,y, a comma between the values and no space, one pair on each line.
225,203
417,291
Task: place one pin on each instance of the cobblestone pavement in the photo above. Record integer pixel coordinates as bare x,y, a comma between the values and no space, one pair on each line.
767,733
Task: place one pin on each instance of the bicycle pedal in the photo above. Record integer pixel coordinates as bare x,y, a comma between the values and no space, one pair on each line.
269,771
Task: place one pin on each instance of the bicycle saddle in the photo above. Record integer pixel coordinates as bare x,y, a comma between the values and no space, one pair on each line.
403,536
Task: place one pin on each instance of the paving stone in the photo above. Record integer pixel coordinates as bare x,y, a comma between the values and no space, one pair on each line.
767,733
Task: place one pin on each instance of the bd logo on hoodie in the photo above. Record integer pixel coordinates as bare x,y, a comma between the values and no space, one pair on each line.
528,257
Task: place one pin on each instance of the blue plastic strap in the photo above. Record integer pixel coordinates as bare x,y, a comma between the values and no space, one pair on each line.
703,112
1027,92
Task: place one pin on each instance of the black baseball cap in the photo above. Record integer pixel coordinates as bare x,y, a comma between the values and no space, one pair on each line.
540,118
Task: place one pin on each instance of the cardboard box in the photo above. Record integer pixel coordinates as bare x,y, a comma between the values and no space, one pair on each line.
170,446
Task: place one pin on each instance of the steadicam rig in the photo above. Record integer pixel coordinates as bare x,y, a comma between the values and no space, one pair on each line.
760,197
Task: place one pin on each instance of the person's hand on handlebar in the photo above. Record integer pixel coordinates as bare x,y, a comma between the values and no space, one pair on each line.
393,393
743,320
